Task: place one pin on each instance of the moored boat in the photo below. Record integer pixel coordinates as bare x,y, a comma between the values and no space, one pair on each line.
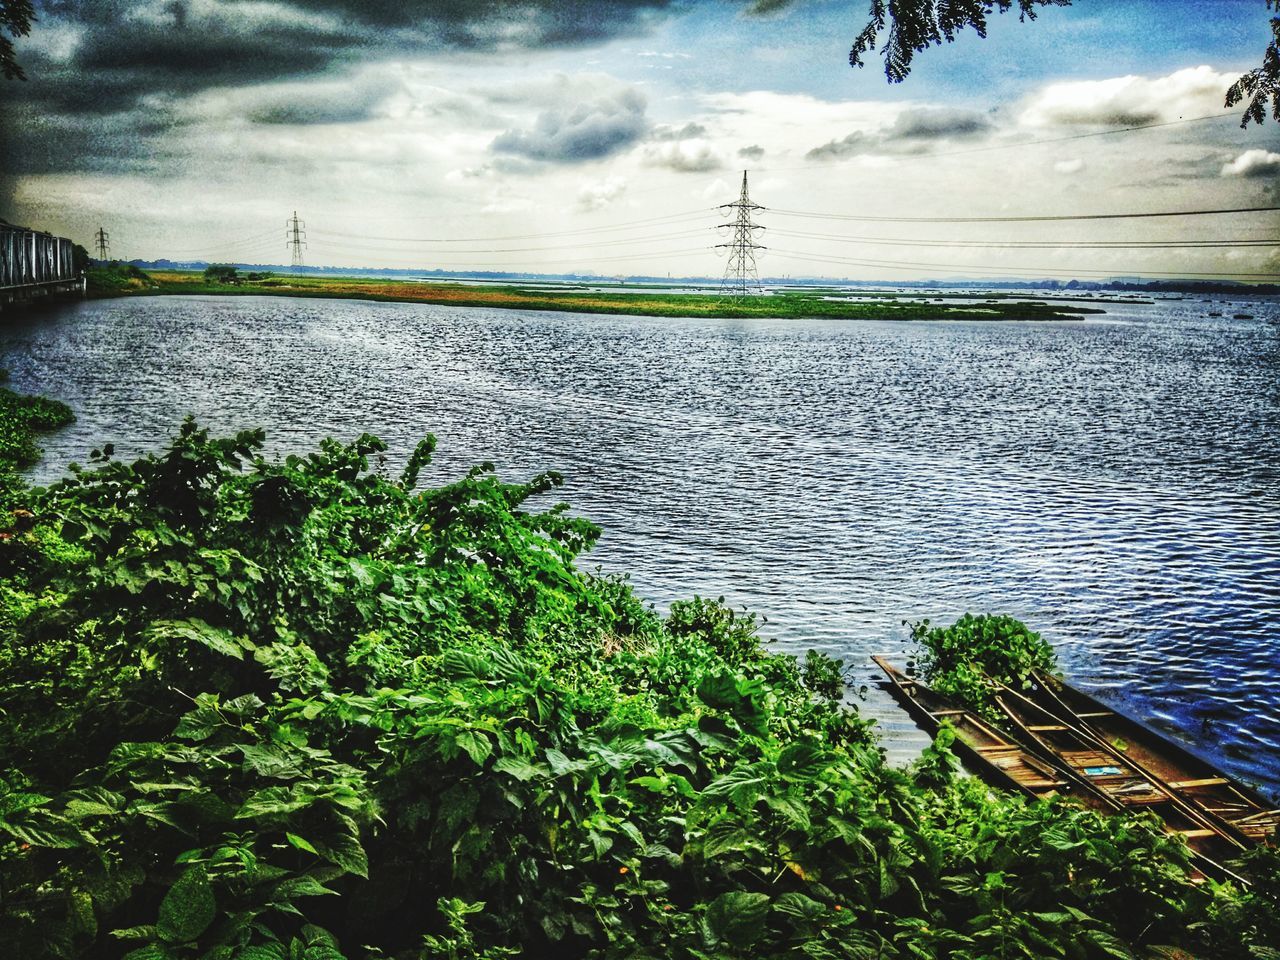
996,758
1105,768
1232,805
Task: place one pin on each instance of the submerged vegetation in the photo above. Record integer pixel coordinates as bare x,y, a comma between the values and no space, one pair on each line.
780,304
970,658
21,417
258,710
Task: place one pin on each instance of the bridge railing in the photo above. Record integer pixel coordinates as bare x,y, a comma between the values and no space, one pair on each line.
29,257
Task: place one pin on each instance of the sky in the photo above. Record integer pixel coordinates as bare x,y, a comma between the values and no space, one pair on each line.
600,137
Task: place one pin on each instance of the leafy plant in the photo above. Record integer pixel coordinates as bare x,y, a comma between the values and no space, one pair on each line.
970,658
305,710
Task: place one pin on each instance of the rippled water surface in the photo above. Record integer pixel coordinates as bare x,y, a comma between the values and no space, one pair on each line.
1113,482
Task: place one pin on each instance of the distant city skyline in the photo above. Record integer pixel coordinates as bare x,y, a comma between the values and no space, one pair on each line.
576,136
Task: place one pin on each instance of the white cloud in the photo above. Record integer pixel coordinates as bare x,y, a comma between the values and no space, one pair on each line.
1253,163
1129,101
599,194
1068,167
684,156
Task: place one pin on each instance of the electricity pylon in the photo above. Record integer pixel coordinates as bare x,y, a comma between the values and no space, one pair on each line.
102,243
295,238
740,276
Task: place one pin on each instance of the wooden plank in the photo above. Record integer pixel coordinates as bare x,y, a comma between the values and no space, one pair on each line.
1206,782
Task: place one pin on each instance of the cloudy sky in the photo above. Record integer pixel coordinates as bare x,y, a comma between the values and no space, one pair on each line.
599,135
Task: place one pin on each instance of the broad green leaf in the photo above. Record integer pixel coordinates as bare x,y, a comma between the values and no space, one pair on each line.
802,761
736,918
216,639
11,803
267,952
187,909
797,904
301,843
519,768
475,743
303,886
792,809
347,852
152,951
743,785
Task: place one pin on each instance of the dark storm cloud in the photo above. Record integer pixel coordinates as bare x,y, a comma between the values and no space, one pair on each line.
688,132
128,48
108,77
50,142
585,131
912,132
851,146
323,103
937,123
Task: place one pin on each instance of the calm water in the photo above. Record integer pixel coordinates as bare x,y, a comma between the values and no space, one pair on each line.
1115,483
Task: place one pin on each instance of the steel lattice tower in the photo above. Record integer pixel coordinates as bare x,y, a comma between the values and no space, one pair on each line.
740,276
102,243
295,238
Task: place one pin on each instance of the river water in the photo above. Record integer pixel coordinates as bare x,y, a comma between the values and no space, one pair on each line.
1113,482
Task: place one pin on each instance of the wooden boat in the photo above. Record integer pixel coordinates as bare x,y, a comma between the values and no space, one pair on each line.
1106,768
1234,807
996,758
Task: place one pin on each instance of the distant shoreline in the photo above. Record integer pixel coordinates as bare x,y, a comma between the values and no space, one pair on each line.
789,304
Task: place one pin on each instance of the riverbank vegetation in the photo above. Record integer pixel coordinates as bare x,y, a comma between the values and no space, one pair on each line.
116,278
781,304
21,418
310,709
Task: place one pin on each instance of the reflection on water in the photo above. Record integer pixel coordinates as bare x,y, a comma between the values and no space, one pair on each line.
1115,482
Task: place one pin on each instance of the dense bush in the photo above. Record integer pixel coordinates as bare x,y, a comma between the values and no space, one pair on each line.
21,417
116,277
221,273
969,658
261,710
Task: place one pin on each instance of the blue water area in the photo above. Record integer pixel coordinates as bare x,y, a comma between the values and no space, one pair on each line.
1114,482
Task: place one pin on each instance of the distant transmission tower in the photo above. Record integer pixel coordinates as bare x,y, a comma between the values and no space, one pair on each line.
740,277
102,243
296,237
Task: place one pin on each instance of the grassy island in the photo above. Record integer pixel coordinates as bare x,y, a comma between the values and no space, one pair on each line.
783,304
307,710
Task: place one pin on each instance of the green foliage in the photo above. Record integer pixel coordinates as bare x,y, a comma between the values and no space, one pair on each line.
1261,84
21,417
115,278
221,273
969,658
303,710
15,19
913,27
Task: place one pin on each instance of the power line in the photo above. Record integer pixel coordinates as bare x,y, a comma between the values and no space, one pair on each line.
526,236
1041,244
624,257
686,215
573,246
998,271
1040,219
228,244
